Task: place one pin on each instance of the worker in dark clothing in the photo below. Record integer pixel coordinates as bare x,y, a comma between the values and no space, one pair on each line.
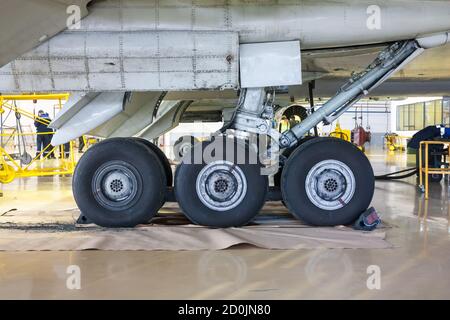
81,144
44,133
65,150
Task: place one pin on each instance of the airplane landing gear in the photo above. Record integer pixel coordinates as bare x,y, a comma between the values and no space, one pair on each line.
325,182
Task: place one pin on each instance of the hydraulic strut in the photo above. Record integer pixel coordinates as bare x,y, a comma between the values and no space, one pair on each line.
388,62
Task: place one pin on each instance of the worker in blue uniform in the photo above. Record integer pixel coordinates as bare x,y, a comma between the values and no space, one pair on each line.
44,133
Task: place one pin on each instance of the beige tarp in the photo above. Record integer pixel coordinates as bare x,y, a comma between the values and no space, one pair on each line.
39,231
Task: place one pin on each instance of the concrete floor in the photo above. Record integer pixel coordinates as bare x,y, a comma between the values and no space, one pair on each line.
418,266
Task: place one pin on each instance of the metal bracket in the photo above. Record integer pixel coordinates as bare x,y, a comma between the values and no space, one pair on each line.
254,112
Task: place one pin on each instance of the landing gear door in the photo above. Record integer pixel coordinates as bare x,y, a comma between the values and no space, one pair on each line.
270,64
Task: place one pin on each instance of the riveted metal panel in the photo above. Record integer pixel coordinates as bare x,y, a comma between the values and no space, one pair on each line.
127,61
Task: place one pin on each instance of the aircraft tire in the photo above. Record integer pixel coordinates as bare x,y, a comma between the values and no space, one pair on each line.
119,183
162,158
222,192
327,182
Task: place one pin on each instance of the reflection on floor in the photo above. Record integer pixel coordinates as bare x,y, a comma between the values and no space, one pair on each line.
416,268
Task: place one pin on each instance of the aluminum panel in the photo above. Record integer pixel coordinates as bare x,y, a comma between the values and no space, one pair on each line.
127,61
270,64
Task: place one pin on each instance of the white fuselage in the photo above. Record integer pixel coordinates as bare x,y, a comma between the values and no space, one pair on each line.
139,45
317,24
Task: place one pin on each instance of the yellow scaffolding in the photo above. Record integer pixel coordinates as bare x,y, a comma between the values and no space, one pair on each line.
10,168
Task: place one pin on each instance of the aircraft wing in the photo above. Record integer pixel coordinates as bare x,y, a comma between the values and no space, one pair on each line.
433,64
427,75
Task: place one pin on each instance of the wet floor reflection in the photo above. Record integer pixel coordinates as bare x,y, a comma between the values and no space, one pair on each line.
417,267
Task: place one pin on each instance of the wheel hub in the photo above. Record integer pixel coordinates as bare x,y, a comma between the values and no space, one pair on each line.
330,185
115,185
221,186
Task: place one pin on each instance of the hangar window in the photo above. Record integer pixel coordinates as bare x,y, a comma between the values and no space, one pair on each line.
418,116
433,113
446,111
413,117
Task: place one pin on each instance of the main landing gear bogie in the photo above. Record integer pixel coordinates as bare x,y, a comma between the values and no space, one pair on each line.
122,182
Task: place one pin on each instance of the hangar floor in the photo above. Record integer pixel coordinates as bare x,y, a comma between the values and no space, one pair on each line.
417,267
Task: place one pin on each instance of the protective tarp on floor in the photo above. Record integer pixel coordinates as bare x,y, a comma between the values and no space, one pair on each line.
274,228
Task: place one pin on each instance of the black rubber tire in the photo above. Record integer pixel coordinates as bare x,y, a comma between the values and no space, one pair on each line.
189,201
180,142
149,174
301,162
161,156
287,153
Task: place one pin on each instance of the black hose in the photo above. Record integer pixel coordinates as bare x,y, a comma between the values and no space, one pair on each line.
233,116
395,176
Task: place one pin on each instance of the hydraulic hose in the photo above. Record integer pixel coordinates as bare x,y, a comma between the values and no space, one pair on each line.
395,176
